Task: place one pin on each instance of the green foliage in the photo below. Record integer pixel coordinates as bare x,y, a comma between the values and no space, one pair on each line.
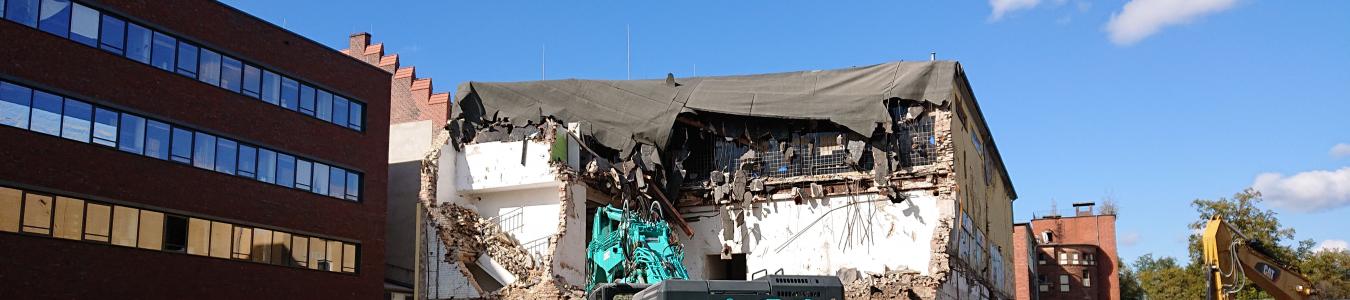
1130,288
1163,278
1329,271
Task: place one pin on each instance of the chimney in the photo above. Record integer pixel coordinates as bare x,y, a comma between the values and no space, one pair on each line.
358,42
1083,208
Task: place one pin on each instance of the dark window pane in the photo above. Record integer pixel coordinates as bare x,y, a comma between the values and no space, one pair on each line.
164,52
76,120
138,43
231,71
113,35
337,182
271,87
353,186
187,59
84,24
325,111
252,81
304,172
225,155
320,179
267,165
289,93
208,70
285,170
15,101
22,11
157,139
306,100
105,127
175,233
204,151
340,110
132,137
55,17
182,146
357,114
248,161
46,113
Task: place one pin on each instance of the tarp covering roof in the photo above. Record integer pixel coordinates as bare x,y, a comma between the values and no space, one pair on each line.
624,112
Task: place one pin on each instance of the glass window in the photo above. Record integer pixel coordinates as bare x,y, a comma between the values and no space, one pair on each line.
97,222
243,242
84,25
204,151
46,116
252,81
22,11
220,239
280,249
348,258
340,110
285,170
132,137
198,237
231,71
37,213
320,179
271,87
317,254
175,233
307,100
304,173
69,218
11,201
157,139
208,70
138,43
248,161
14,103
289,93
55,17
164,51
181,151
334,256
151,233
325,111
354,120
113,35
267,165
353,186
124,223
76,121
300,251
262,242
187,59
226,151
337,182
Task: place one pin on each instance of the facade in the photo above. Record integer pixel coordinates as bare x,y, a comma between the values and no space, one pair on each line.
1025,262
920,207
185,149
1075,256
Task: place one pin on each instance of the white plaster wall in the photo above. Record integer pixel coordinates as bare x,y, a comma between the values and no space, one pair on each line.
497,165
538,210
569,258
886,236
409,141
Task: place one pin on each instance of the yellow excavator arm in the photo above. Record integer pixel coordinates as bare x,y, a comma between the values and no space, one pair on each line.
1227,253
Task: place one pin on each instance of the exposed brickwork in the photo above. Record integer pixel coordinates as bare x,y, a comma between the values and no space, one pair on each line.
1023,239
411,98
1083,234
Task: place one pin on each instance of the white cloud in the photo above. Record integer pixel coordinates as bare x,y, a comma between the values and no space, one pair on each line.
1332,245
1142,18
1129,239
1340,150
1002,7
1307,191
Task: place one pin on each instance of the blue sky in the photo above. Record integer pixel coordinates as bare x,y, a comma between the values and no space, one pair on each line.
1151,102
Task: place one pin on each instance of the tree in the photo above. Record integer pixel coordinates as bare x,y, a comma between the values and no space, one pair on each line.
1130,288
1163,278
1329,270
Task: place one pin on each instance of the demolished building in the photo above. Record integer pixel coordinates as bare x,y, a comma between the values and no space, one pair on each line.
885,175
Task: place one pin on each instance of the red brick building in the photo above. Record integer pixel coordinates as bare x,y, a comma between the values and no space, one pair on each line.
1075,257
185,150
1024,262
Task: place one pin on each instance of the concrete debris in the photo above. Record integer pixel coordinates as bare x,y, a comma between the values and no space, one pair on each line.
903,284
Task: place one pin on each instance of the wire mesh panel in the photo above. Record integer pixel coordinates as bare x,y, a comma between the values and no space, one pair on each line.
914,140
808,154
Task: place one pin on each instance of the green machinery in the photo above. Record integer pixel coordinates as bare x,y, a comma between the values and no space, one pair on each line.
626,248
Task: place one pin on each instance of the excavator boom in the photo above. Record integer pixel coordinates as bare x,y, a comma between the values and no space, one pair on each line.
1227,253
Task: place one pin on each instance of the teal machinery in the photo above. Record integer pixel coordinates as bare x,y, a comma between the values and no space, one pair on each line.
627,248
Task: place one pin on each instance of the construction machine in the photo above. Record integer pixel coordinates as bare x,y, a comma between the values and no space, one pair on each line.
1232,259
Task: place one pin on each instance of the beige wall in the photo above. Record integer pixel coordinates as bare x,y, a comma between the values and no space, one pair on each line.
985,197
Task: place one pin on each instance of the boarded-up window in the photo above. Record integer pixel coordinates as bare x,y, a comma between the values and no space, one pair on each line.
11,201
37,214
243,242
281,249
151,234
69,218
124,224
199,237
334,256
262,244
220,239
300,251
317,255
96,221
348,258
